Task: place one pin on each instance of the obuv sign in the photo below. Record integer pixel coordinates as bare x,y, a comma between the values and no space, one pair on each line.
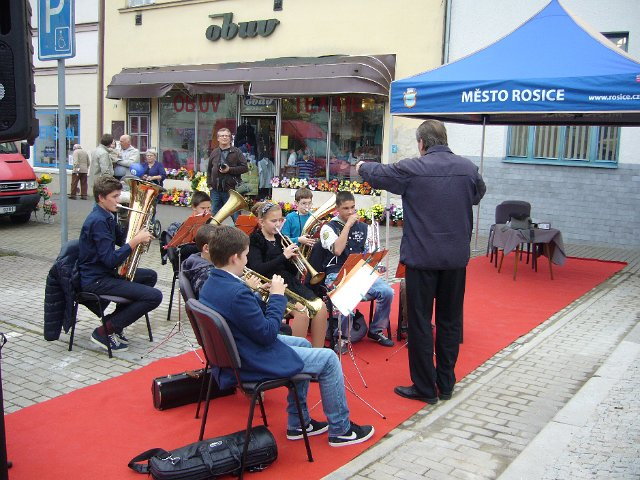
230,30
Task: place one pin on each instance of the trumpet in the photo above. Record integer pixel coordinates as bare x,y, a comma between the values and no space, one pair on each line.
310,306
302,264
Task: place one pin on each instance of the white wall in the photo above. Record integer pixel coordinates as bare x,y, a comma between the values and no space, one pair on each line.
476,24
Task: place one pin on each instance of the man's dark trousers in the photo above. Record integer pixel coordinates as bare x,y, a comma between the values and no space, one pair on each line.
446,287
140,290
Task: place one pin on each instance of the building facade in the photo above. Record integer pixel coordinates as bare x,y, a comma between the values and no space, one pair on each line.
81,91
301,83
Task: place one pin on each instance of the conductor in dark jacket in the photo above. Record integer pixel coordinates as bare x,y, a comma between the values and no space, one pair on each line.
226,164
438,191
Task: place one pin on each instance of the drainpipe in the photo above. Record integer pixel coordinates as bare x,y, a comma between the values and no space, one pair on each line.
447,31
100,109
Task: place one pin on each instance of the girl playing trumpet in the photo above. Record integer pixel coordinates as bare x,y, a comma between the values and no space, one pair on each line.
268,255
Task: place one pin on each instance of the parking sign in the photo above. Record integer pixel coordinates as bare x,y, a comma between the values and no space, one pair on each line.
56,29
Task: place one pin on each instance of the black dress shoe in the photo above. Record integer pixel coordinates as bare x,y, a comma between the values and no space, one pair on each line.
445,396
413,394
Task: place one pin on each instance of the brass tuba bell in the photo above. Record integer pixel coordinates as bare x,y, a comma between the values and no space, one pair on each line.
141,205
235,203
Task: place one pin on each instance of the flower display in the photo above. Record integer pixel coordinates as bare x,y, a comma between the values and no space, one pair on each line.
179,174
179,198
287,208
334,185
49,207
379,213
199,182
44,179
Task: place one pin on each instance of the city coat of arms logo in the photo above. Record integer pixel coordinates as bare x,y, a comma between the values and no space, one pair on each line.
410,96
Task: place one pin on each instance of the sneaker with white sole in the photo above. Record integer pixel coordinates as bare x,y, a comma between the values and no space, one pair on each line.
101,340
356,434
381,338
313,428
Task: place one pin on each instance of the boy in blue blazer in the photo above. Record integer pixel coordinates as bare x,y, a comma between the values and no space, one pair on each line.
264,353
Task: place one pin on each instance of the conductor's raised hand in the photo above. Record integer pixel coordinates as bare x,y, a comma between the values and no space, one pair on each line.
277,285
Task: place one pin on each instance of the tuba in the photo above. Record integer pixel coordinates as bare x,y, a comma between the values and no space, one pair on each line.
235,203
314,223
141,207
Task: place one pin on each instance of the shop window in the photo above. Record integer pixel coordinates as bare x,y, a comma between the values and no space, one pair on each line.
139,116
356,134
567,145
188,125
46,145
305,122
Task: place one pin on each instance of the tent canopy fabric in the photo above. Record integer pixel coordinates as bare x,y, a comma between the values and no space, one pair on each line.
553,69
281,77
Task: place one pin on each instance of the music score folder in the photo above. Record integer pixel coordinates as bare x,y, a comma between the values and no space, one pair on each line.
187,231
360,276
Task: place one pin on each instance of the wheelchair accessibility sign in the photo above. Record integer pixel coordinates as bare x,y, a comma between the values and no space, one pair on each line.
56,29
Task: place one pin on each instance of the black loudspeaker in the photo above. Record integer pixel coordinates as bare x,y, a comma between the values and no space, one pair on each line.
183,388
17,114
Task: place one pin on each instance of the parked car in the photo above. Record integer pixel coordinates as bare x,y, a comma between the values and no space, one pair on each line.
18,184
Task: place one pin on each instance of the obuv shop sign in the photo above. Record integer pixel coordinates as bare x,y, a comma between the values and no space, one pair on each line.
230,30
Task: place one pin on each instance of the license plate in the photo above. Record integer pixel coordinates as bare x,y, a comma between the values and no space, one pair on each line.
7,209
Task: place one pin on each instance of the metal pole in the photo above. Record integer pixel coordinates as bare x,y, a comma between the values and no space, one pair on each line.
484,126
62,153
387,227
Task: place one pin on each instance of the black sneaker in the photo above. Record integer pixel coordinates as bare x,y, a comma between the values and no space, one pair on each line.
380,338
356,434
314,428
122,338
102,340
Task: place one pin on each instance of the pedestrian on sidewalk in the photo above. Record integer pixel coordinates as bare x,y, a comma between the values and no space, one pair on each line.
438,191
80,172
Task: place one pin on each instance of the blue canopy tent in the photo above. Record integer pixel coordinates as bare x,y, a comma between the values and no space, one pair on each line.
552,70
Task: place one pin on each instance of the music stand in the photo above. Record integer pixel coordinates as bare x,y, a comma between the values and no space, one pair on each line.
357,275
187,233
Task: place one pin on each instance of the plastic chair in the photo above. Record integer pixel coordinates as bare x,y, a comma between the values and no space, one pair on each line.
502,214
221,351
187,294
99,304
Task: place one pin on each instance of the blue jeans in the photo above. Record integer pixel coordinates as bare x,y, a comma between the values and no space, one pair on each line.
218,199
140,290
383,294
323,363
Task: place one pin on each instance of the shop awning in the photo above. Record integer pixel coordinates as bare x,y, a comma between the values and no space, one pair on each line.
278,77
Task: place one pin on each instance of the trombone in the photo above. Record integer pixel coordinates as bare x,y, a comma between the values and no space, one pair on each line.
311,306
302,264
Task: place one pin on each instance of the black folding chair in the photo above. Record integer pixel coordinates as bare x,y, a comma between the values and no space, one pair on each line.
221,351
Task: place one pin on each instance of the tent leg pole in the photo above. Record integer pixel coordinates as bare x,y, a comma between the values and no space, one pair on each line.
481,168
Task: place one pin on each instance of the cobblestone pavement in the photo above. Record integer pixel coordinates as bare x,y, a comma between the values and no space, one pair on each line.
492,426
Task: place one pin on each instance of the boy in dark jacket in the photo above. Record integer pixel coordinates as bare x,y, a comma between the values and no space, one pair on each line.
265,354
98,262
197,266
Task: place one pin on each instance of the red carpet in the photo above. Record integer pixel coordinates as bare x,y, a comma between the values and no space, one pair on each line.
92,433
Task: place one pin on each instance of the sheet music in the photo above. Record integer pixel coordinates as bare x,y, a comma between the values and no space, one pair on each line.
353,288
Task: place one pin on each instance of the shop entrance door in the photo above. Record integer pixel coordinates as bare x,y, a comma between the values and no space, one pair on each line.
260,133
